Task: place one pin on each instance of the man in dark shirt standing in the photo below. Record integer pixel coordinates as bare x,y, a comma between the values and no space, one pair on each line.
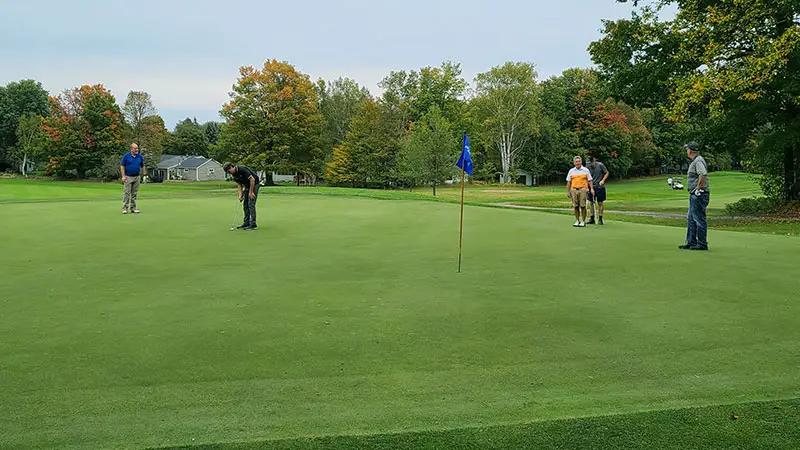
247,181
599,177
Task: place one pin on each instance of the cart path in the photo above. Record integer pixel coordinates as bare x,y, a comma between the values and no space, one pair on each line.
624,213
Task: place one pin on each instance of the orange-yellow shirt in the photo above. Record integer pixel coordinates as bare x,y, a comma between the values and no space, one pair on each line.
580,177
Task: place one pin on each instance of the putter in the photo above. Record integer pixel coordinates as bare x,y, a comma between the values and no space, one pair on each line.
235,215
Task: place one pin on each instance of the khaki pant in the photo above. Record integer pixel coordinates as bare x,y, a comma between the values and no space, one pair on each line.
579,198
130,193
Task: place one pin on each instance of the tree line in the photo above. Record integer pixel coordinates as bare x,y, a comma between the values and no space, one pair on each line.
725,79
278,120
82,132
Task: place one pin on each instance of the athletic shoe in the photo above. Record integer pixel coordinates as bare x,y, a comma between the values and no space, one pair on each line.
250,228
124,211
576,224
136,211
685,247
582,225
601,221
243,226
698,247
591,221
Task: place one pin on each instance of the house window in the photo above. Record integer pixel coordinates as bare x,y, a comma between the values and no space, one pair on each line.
186,170
211,171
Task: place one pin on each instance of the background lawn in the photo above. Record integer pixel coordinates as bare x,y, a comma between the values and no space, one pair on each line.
344,316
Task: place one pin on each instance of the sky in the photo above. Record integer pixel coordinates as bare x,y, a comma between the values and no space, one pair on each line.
186,54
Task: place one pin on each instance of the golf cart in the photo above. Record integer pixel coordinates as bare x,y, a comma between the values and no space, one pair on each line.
675,184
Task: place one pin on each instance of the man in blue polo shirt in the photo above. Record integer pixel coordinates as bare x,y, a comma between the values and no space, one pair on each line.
131,167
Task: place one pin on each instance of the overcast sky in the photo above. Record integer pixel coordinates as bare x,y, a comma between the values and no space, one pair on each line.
187,53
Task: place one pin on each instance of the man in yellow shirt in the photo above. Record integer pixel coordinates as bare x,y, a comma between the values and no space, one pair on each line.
579,183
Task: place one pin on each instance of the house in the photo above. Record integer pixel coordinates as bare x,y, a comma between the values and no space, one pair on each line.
191,168
523,177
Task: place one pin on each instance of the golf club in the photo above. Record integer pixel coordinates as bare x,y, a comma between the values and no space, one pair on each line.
235,215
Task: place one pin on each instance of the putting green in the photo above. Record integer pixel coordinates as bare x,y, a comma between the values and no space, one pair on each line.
345,316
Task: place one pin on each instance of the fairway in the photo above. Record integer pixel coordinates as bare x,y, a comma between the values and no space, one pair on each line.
345,316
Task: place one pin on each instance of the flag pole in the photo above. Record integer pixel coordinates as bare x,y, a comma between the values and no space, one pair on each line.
461,223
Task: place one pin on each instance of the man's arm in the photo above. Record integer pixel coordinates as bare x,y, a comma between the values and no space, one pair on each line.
569,188
122,172
144,168
605,176
702,174
241,191
701,182
590,182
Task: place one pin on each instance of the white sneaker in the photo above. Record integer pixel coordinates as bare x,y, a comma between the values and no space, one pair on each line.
124,211
136,211
576,224
582,224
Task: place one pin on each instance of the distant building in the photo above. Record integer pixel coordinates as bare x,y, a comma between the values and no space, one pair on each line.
189,168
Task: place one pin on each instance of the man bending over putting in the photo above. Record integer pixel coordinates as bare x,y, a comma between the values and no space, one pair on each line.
247,181
579,182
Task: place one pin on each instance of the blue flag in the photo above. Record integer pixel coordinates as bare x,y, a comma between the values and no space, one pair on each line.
465,161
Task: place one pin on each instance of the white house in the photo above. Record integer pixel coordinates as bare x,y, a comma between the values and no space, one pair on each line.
190,168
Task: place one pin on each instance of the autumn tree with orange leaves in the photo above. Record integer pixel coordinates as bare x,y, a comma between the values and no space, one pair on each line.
274,122
82,131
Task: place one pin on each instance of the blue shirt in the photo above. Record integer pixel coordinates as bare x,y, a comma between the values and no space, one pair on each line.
132,164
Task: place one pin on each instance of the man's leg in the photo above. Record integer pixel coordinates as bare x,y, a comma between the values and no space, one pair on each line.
701,203
591,199
691,226
126,195
246,207
253,209
134,192
583,213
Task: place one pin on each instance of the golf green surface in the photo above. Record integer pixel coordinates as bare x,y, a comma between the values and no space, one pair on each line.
344,318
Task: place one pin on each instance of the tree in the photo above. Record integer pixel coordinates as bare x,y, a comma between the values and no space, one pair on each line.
137,107
339,101
30,140
83,129
615,134
368,155
413,94
153,135
274,119
733,62
18,99
506,107
429,151
187,139
212,130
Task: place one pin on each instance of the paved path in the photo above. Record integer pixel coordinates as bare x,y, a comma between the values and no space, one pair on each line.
624,213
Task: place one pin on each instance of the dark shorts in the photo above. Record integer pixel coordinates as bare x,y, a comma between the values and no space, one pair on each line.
599,195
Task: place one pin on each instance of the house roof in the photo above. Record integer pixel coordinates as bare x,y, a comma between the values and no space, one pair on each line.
170,161
193,162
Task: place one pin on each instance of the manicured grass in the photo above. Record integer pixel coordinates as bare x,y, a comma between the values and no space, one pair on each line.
771,425
643,194
19,190
344,316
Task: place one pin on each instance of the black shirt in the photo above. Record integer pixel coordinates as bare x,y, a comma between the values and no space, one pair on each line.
243,174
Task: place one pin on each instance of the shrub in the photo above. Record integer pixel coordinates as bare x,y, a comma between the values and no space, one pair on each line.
754,206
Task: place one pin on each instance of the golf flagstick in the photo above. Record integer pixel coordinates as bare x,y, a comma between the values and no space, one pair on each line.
461,221
465,163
